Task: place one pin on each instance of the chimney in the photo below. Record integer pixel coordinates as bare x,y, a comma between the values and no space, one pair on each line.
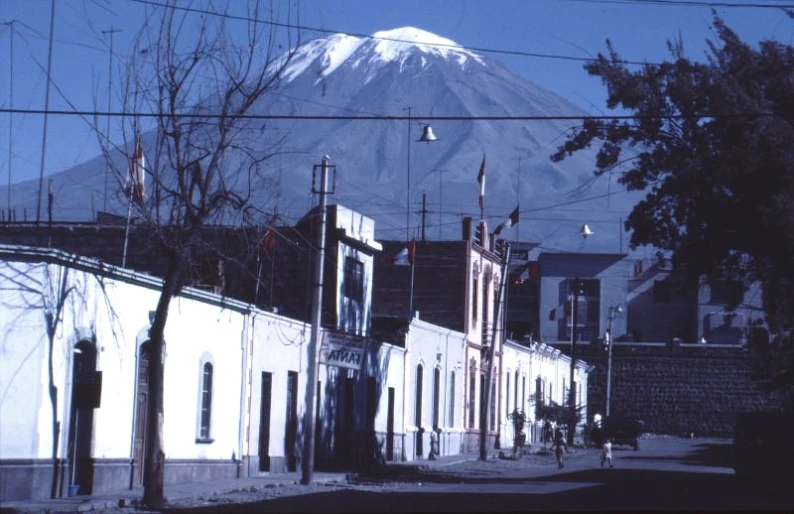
467,228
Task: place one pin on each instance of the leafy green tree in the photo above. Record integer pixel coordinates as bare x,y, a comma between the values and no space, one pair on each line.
712,145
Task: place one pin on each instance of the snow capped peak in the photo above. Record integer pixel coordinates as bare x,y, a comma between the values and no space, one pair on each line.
395,44
380,48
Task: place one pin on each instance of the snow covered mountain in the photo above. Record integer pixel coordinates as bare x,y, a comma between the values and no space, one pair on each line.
411,72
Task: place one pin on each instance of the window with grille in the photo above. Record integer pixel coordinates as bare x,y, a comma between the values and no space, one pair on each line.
206,401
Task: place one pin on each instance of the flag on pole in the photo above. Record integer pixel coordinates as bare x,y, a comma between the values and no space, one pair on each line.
268,241
406,256
523,276
137,175
481,181
509,222
534,269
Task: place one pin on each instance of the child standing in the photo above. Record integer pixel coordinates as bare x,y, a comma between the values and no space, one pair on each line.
560,449
606,453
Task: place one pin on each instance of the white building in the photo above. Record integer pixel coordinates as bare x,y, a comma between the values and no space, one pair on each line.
74,412
532,372
82,400
434,390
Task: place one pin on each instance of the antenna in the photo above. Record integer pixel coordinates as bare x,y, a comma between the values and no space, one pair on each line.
111,31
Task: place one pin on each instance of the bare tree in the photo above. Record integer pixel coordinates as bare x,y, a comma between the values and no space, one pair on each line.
197,78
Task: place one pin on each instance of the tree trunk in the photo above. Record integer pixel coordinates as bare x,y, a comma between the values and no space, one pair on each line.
53,390
154,466
56,433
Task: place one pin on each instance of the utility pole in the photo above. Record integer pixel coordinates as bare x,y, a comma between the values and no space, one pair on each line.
440,202
609,340
110,96
10,105
485,409
307,459
577,284
408,186
46,111
423,212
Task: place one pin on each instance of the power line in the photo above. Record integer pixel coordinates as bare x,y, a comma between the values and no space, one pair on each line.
293,26
695,3
384,117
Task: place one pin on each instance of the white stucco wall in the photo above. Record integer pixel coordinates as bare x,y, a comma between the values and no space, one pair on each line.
114,313
279,346
434,348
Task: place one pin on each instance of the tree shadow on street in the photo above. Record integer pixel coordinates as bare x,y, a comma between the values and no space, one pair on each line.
592,490
704,454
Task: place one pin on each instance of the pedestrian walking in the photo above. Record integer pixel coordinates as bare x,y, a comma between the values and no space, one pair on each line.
606,453
560,448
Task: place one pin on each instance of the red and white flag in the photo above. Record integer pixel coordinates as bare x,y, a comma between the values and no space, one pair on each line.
406,256
509,222
523,276
268,241
481,181
137,173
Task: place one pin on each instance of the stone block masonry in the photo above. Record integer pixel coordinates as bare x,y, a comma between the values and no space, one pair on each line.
678,391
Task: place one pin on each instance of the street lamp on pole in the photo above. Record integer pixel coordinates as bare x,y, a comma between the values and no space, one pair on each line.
426,137
608,339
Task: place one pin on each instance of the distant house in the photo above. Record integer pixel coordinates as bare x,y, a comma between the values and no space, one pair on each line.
662,307
603,284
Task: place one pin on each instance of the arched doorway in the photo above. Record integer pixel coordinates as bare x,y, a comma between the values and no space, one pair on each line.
86,386
141,409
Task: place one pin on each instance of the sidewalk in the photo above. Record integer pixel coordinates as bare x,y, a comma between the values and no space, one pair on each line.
174,493
191,491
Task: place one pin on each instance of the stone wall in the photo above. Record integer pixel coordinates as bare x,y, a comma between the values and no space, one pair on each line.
677,390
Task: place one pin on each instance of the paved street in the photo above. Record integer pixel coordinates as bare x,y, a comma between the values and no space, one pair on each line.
666,474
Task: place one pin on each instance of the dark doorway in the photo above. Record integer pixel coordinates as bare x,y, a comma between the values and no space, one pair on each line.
264,421
85,397
348,426
290,449
371,450
141,410
436,397
390,427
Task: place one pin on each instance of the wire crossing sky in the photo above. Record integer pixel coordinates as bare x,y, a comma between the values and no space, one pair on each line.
544,41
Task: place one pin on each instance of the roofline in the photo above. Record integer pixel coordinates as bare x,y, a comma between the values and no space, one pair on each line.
55,256
437,328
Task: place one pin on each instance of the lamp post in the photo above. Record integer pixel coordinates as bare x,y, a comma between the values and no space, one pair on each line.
608,340
426,137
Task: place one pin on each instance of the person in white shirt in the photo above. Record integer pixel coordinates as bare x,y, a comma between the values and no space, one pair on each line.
606,453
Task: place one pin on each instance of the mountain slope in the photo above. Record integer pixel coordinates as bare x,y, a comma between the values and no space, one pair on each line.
359,78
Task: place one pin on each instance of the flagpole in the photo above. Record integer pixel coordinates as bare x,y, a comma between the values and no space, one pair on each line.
518,195
127,233
258,275
272,276
412,261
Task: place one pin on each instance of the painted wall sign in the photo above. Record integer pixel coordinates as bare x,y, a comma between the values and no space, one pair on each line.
343,350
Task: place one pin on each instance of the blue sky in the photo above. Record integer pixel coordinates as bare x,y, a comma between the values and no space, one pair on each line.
574,28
